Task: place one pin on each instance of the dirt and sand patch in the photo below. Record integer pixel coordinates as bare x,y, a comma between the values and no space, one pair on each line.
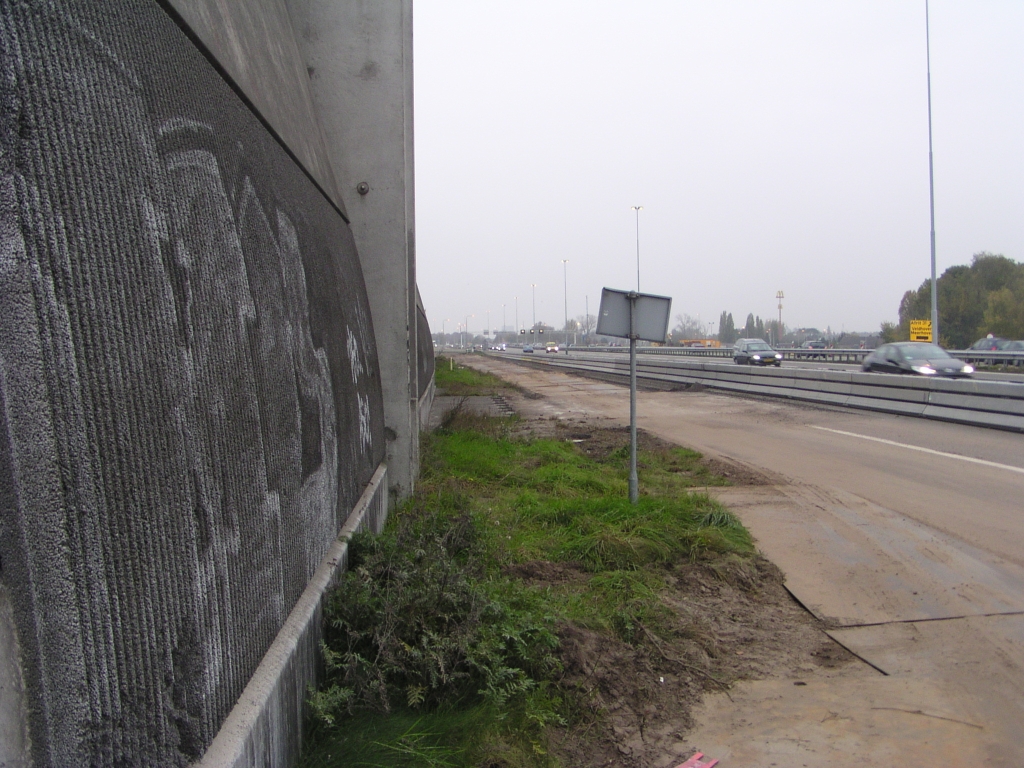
725,619
728,620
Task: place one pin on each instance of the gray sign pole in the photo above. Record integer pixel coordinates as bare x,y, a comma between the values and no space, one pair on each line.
634,483
633,315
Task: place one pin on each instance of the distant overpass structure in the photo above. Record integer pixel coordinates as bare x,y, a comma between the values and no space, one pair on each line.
214,362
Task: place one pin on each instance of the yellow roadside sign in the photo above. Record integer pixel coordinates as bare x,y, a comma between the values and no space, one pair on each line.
920,330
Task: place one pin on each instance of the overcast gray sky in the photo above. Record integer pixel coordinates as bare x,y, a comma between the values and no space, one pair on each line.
773,146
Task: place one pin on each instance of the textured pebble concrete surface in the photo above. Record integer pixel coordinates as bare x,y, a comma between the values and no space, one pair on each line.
203,363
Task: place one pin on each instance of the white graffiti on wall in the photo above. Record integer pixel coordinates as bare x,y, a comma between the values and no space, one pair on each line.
355,361
365,436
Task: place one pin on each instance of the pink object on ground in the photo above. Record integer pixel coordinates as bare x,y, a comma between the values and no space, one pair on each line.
697,762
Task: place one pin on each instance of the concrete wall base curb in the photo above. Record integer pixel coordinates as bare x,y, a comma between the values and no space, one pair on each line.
265,726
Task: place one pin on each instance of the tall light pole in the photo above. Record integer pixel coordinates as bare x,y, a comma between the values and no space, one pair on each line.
502,318
637,208
565,298
534,287
444,338
517,315
931,178
780,296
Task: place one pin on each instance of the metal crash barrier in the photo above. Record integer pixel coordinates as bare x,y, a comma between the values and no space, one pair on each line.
994,404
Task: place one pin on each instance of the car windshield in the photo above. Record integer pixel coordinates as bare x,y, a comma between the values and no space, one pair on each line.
759,346
924,352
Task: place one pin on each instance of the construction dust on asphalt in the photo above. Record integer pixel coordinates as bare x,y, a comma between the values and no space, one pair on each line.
806,690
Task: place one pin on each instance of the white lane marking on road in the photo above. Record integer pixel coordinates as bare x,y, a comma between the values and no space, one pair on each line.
922,450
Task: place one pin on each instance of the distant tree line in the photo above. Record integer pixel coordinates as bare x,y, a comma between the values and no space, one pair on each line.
688,327
754,328
985,297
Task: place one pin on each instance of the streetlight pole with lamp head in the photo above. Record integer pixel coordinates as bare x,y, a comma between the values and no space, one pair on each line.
637,208
533,328
565,298
931,177
780,296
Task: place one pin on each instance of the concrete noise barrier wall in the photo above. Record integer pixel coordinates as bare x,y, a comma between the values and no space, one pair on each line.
190,403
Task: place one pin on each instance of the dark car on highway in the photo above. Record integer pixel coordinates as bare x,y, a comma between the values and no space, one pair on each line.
989,344
755,352
916,357
527,347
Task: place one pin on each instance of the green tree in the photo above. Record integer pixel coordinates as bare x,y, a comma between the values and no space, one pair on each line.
749,328
985,297
727,329
1004,314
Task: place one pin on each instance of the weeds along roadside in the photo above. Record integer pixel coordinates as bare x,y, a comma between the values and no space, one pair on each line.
439,652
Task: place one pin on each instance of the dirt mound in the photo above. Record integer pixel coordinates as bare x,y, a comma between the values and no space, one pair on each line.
731,619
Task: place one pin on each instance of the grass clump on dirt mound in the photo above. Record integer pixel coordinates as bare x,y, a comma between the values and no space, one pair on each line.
442,647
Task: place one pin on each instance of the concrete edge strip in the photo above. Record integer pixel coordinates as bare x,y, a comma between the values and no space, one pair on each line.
237,742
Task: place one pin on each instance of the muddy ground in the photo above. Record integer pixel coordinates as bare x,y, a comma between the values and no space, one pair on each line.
731,619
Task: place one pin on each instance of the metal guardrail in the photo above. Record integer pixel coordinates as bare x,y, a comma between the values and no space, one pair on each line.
995,404
995,358
725,353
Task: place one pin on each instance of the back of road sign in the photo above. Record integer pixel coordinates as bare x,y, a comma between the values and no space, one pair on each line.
652,315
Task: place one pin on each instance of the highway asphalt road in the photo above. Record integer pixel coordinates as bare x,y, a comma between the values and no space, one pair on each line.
905,536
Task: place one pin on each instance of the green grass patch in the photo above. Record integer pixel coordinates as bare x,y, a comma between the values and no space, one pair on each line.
437,655
458,380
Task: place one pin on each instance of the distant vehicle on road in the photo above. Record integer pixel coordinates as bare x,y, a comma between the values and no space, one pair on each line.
755,352
916,357
551,347
819,344
527,347
989,344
